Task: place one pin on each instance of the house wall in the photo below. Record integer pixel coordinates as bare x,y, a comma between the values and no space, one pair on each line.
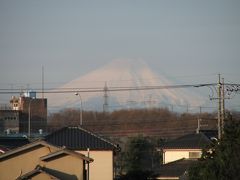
173,155
68,166
14,166
102,166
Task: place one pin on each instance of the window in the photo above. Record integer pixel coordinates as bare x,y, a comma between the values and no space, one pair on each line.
194,155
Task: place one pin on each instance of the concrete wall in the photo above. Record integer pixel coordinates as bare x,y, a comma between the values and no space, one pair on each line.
102,166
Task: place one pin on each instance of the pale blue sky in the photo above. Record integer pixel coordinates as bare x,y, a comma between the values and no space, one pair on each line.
180,38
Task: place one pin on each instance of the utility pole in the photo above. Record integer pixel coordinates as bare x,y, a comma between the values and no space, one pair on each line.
199,125
199,120
88,168
80,109
222,107
219,106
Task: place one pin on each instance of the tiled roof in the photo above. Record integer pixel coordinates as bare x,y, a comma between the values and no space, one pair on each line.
190,141
174,169
210,133
10,142
77,138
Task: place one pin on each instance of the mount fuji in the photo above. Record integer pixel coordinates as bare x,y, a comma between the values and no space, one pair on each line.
118,74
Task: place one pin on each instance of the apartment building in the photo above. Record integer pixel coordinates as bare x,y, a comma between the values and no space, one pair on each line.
26,112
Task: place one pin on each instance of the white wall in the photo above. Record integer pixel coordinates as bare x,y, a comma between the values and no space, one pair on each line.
176,154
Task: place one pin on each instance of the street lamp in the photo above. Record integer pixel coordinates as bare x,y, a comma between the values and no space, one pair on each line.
80,109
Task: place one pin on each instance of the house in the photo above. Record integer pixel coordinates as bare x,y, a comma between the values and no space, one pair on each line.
180,154
89,144
189,146
174,170
41,160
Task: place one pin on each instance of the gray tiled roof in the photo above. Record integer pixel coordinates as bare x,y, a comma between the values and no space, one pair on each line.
190,141
11,142
175,168
77,138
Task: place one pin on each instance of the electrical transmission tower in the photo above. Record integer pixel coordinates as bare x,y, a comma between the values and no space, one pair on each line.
105,97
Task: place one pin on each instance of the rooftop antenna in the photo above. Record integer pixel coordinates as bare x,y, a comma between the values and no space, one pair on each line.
42,109
42,82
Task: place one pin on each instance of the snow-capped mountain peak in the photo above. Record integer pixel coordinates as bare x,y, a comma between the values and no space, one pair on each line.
123,73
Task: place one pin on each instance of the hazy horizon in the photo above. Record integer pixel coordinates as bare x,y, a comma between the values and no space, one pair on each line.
189,41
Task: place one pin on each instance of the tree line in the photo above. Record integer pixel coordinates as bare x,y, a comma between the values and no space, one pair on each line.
152,122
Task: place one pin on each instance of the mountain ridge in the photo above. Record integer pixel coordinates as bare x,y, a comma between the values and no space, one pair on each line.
124,73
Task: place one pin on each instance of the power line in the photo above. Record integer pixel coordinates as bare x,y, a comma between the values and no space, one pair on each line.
95,89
